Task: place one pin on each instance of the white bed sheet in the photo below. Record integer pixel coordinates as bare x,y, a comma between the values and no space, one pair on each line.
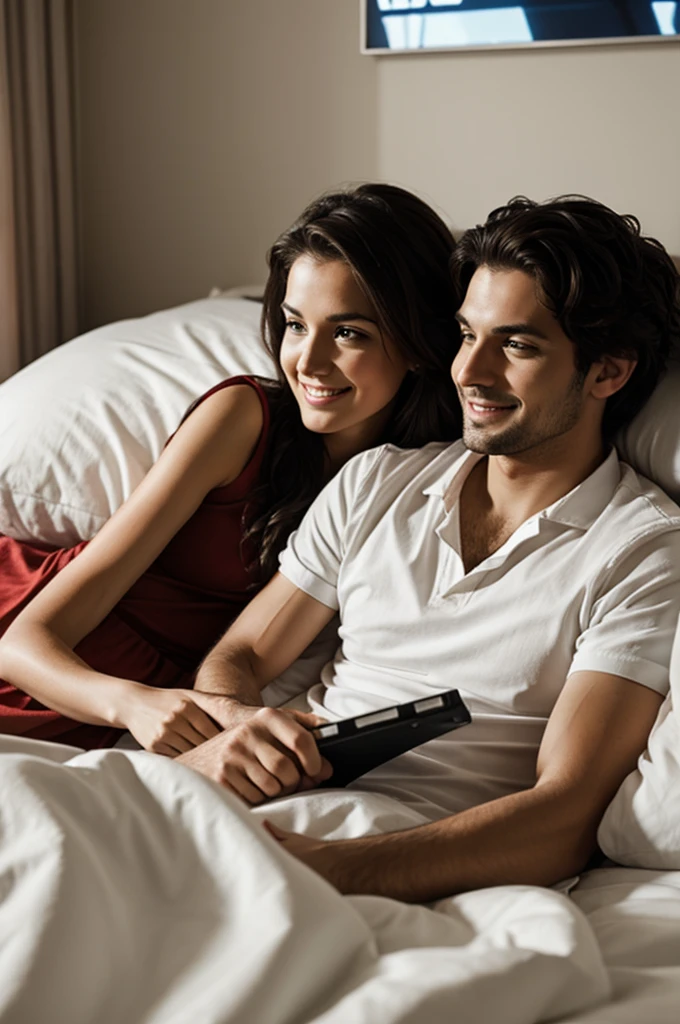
635,916
134,890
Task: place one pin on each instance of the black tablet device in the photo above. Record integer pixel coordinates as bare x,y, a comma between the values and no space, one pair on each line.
354,746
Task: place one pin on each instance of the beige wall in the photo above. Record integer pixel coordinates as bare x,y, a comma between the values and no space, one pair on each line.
206,125
472,130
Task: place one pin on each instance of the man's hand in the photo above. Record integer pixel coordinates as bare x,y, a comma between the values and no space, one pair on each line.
269,753
326,858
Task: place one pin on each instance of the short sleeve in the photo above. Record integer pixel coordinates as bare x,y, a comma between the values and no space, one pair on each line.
633,618
314,553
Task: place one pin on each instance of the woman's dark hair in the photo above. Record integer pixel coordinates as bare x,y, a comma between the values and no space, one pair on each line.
398,249
612,290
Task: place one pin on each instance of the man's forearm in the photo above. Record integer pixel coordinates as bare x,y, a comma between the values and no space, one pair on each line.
230,671
593,739
536,837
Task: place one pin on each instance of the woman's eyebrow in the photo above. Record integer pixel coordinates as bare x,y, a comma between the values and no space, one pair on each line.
335,318
291,309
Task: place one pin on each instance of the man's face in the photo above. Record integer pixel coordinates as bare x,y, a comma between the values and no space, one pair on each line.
515,370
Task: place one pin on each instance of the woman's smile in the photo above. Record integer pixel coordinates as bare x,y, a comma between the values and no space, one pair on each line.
317,396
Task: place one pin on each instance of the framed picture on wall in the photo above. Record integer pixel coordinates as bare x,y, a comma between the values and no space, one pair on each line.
405,26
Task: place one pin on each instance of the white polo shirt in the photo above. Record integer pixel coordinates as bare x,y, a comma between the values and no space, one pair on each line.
592,582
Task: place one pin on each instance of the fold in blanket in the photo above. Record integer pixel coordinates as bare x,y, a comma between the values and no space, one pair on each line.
134,890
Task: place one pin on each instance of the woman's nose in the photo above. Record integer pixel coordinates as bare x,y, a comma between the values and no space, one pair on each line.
314,357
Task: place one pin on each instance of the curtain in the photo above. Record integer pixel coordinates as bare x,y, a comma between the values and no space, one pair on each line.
9,312
38,263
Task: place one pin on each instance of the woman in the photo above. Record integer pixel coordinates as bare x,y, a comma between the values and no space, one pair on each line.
359,315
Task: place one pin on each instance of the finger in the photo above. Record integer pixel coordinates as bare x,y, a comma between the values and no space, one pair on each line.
165,748
295,738
307,783
179,744
198,718
173,741
278,762
306,718
274,830
311,783
195,726
233,780
267,783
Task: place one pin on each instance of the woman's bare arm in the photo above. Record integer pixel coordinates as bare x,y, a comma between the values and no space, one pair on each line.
36,653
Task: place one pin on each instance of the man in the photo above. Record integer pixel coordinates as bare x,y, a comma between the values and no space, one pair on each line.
524,565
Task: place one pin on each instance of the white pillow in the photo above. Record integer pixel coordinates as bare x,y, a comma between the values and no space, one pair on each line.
651,443
80,427
641,827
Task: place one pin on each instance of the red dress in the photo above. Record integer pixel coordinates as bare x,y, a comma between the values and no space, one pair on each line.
161,629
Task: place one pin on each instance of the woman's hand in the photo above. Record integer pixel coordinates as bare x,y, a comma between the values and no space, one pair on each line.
172,722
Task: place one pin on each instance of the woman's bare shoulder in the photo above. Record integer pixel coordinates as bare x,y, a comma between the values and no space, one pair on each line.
222,432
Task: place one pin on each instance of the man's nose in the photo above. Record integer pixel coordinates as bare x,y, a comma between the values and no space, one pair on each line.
475,365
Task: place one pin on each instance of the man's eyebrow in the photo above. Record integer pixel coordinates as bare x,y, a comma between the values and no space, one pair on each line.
504,329
335,318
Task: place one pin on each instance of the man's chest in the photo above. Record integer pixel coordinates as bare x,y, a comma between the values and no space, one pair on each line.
482,529
506,627
481,536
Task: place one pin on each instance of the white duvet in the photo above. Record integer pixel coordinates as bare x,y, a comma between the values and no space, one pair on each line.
133,890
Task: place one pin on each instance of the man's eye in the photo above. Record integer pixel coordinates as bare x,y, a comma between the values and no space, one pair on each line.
519,346
466,338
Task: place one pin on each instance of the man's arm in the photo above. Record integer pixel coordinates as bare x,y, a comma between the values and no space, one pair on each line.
595,734
264,752
269,634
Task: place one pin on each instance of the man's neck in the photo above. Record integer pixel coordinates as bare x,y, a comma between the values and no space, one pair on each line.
521,487
503,491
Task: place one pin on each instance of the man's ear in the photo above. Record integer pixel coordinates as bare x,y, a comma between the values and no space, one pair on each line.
610,374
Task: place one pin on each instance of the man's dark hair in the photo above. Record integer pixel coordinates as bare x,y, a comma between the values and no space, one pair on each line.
612,290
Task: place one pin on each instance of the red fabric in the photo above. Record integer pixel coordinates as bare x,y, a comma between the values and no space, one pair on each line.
164,625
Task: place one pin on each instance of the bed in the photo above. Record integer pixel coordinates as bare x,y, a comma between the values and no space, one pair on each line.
134,890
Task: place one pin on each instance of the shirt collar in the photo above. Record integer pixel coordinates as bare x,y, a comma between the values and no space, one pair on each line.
582,505
579,508
454,476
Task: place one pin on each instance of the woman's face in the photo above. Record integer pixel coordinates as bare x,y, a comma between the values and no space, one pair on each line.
341,368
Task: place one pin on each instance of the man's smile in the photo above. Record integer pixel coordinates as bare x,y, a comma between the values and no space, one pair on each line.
484,409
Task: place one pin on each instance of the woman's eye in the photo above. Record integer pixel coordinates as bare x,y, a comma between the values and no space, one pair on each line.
349,334
466,338
294,326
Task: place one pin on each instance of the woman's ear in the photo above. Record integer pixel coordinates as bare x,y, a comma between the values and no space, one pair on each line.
610,374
